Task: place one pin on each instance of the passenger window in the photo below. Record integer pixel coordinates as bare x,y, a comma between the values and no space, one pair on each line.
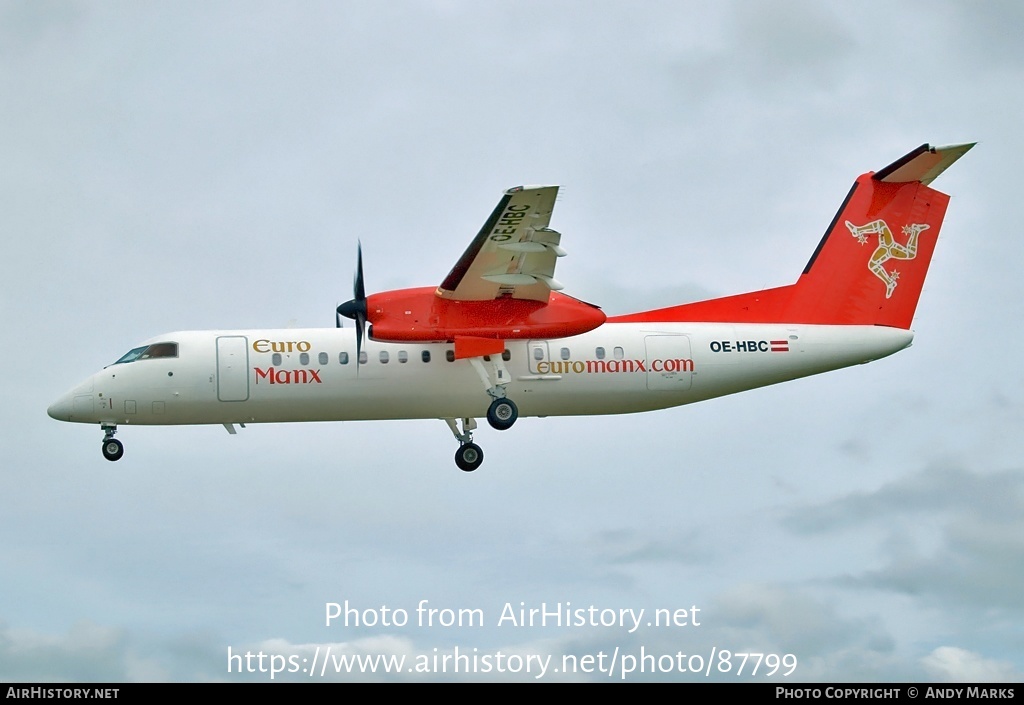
323,358
618,353
425,355
304,358
450,355
275,359
343,358
538,353
362,357
565,353
383,357
600,353
506,356
403,356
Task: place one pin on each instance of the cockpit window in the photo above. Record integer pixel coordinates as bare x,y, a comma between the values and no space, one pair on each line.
160,350
132,355
147,352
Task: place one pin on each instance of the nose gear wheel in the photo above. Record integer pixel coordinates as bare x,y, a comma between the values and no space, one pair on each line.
113,449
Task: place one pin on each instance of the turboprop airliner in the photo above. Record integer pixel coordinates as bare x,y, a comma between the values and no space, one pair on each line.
498,339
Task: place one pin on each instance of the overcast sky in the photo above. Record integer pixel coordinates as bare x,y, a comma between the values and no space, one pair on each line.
189,165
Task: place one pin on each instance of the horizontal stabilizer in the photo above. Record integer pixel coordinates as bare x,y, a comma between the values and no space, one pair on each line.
924,164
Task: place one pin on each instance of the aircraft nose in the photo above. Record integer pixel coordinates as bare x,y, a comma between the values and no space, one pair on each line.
60,409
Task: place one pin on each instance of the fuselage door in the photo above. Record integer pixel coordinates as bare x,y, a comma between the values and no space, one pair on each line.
669,364
232,368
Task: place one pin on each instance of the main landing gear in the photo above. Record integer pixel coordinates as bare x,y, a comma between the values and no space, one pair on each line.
501,414
113,449
469,456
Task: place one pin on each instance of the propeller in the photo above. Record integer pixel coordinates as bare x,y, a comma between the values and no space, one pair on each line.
356,308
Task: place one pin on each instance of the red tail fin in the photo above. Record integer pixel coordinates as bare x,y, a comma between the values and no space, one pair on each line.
869,267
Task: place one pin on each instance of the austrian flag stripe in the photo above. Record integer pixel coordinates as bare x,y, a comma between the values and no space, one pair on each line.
780,345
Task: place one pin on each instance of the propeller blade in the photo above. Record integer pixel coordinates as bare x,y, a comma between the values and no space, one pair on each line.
360,291
356,308
360,326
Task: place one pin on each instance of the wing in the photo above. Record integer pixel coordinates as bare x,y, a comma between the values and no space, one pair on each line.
513,255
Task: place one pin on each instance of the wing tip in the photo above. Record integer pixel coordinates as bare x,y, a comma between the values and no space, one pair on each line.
529,187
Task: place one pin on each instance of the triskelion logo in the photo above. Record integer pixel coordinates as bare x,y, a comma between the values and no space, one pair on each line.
887,248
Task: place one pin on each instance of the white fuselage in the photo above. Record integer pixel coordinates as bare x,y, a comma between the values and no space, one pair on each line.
259,376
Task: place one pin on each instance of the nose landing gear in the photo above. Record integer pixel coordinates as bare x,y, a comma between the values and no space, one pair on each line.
113,449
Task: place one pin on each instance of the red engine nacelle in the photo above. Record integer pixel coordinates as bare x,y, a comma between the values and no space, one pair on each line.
419,315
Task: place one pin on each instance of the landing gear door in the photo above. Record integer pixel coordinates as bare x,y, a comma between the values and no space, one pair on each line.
669,363
232,368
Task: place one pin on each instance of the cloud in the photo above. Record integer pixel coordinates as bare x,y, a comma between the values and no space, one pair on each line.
88,652
940,489
955,665
948,538
392,659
